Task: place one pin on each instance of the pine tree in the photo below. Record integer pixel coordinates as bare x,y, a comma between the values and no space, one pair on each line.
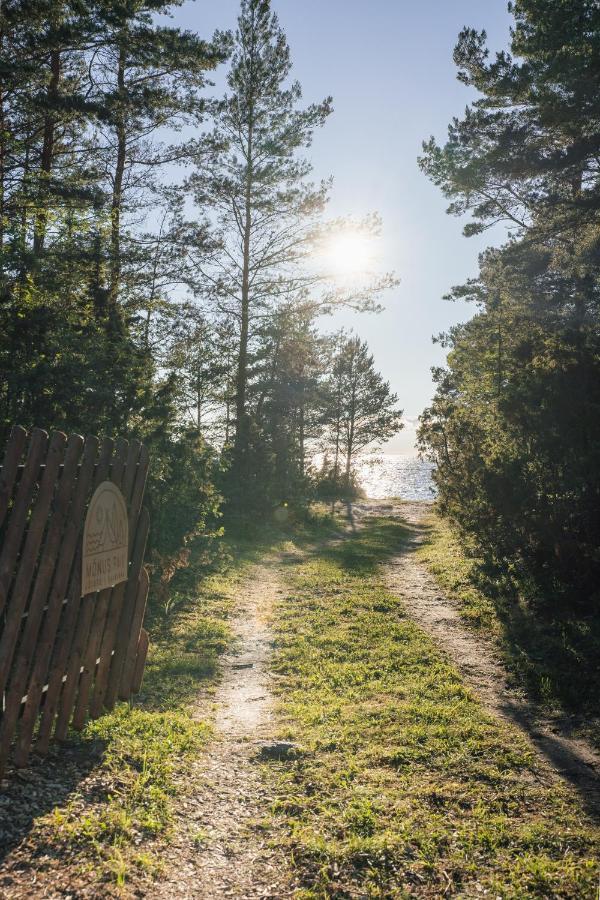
199,356
363,409
146,78
85,90
513,427
526,152
252,177
288,399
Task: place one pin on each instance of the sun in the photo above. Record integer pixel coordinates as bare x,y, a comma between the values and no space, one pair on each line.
350,253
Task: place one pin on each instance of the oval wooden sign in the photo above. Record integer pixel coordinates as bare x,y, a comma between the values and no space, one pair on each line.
105,540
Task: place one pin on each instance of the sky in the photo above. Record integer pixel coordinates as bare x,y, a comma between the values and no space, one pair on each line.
388,65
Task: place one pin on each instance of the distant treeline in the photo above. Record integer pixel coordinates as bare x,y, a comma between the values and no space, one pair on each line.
514,428
156,248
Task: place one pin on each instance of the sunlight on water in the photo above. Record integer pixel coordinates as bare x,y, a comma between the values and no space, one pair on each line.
391,475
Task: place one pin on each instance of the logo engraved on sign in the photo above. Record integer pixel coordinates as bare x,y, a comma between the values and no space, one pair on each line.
105,540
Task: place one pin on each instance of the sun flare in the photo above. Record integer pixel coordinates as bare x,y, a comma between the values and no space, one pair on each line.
350,253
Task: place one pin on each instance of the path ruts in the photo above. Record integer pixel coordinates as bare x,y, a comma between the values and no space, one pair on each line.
220,849
476,658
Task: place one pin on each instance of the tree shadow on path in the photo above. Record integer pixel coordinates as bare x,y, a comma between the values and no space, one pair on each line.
381,540
28,794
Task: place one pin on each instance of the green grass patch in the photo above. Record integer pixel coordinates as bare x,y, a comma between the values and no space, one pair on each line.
444,555
132,803
407,787
118,824
554,655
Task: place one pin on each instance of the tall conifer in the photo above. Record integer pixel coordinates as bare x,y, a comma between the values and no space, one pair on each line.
252,176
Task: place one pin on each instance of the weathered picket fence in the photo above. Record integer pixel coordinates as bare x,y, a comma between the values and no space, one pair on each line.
64,656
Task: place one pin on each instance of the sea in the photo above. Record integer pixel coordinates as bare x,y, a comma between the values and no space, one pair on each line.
394,475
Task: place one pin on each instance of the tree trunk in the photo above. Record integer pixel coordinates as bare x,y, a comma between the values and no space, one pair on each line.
348,462
2,165
41,219
23,225
351,424
227,420
228,397
336,456
241,430
117,197
153,291
198,401
301,436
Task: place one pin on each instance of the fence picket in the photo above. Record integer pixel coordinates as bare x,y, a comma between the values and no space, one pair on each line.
35,533
18,518
127,619
100,611
55,604
138,492
136,624
69,638
62,656
10,467
140,662
26,648
117,598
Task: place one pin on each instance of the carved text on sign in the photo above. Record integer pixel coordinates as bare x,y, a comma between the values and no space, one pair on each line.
105,540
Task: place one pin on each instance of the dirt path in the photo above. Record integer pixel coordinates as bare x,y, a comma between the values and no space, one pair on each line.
478,662
220,850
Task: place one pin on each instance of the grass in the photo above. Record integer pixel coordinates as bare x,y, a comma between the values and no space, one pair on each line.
122,818
134,790
555,657
406,787
118,824
445,556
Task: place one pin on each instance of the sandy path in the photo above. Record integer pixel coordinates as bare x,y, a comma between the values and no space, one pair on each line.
477,659
219,850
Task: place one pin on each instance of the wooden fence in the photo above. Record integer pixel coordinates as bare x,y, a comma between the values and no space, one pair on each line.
63,656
